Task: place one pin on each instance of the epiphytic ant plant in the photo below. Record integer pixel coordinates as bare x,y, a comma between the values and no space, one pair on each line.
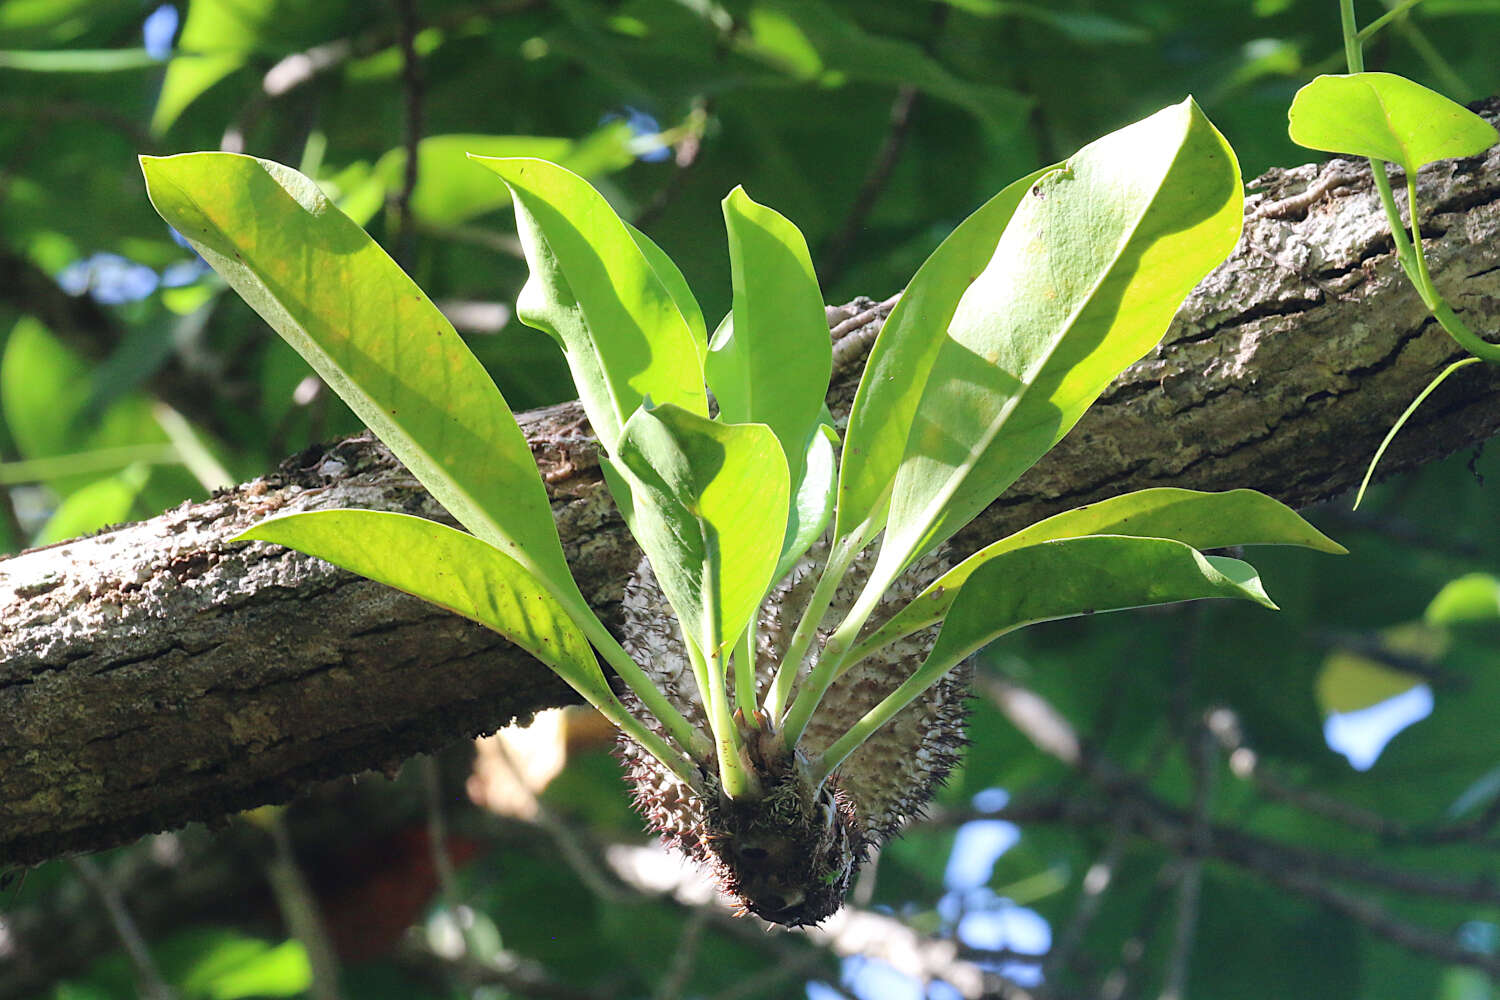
768,765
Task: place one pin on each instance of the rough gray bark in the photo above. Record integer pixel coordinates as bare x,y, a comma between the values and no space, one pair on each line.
156,673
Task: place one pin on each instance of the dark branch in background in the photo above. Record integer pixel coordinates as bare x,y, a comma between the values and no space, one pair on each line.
1113,796
412,89
683,158
836,251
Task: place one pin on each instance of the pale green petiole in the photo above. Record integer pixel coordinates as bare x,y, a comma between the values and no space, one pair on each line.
744,675
1401,422
926,676
734,777
829,665
687,737
839,560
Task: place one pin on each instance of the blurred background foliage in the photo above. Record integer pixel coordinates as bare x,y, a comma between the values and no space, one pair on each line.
1230,823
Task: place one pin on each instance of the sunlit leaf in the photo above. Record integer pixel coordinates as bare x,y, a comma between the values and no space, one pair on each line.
709,496
1387,117
1086,277
593,289
453,570
770,365
1201,520
451,190
902,357
373,336
770,362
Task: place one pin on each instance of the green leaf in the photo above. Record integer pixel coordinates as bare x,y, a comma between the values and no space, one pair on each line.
217,37
672,278
812,498
1079,576
1084,281
451,190
770,364
77,60
1474,597
1201,520
812,40
708,496
1387,117
594,290
902,357
374,337
1061,579
453,570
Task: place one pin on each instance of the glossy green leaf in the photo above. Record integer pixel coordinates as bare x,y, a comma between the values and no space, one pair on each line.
676,284
1085,278
595,292
453,570
1387,117
770,365
708,497
902,356
1201,520
1061,579
373,336
450,190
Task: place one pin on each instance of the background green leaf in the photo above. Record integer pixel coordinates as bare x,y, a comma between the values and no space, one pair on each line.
451,190
1387,117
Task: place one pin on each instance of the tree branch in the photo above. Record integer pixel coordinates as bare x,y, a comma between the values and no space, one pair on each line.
155,673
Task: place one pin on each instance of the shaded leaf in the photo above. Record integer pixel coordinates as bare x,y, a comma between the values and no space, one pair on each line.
1201,520
1060,579
708,496
453,570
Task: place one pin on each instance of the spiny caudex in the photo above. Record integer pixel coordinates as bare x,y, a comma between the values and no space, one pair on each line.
787,721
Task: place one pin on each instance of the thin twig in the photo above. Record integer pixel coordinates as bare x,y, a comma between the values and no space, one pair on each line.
686,955
437,832
153,986
412,90
836,250
299,907
1096,883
